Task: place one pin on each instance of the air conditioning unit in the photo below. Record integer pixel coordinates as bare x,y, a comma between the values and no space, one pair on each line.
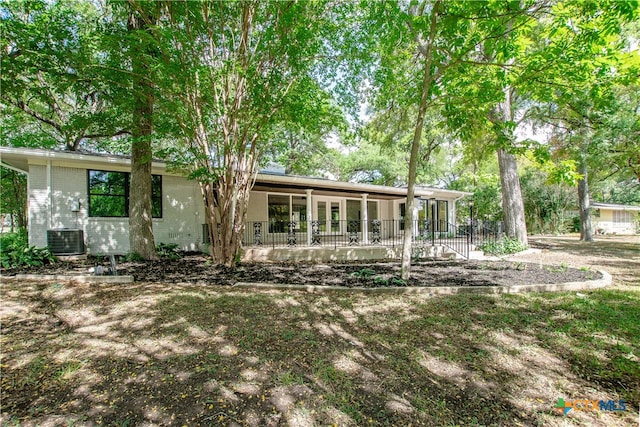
66,241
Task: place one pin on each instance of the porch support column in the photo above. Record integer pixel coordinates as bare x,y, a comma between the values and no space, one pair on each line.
365,219
309,216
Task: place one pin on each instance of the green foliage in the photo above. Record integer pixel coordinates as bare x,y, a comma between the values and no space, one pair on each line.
504,246
483,180
56,90
617,189
392,281
133,257
13,196
15,252
546,203
168,251
372,164
298,138
574,224
364,273
563,267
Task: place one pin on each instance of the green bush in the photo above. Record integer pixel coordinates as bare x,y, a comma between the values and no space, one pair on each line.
364,273
504,246
16,252
133,257
575,224
168,251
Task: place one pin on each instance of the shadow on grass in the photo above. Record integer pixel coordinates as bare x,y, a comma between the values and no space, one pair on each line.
186,354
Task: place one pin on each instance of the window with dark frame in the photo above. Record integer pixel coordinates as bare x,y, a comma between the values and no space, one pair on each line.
109,194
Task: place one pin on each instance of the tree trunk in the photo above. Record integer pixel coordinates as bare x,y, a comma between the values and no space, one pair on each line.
512,205
427,79
141,240
586,235
226,204
20,191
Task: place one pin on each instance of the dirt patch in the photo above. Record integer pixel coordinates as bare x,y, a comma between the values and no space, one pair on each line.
617,255
197,268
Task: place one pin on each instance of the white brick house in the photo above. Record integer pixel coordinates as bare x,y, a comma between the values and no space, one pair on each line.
71,190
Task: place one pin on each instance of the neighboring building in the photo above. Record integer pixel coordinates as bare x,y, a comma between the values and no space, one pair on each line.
608,218
88,192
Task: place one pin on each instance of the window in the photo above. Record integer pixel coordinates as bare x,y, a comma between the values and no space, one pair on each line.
156,196
109,194
322,215
299,210
285,208
279,216
622,217
372,213
443,215
335,217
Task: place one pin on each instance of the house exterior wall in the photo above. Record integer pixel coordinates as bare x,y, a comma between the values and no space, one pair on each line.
257,210
54,191
605,224
182,214
181,222
39,206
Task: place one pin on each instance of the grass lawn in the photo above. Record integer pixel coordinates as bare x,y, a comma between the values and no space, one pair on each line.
150,353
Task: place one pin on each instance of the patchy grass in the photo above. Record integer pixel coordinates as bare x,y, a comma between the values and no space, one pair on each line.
202,355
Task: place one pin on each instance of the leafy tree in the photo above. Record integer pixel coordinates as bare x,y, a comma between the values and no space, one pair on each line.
545,202
617,189
234,74
592,61
483,180
422,48
552,51
48,74
13,187
373,164
299,140
65,78
142,17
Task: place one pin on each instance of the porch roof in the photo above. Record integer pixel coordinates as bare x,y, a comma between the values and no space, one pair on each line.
615,207
322,186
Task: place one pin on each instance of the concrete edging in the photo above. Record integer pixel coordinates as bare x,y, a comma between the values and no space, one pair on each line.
79,278
605,281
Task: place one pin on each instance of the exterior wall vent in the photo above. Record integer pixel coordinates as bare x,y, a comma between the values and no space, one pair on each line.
66,241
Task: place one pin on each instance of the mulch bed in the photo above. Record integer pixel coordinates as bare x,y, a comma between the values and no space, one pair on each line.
197,268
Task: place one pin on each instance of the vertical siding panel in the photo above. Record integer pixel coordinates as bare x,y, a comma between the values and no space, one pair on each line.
38,205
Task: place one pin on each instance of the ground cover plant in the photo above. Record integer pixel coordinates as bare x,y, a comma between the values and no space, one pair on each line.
503,246
15,252
192,354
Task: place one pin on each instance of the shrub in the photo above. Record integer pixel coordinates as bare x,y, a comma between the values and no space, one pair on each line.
168,251
16,252
364,273
504,246
133,257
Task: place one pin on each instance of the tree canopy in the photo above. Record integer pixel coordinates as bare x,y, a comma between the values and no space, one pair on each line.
221,88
